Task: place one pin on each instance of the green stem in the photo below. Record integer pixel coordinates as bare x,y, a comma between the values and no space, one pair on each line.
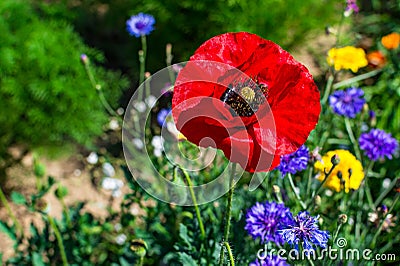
336,233
384,193
97,87
312,200
352,138
303,205
59,240
106,105
168,60
352,80
310,261
359,214
144,45
142,61
328,88
228,214
38,183
143,67
10,213
141,73
373,242
230,254
367,189
90,75
141,261
66,213
189,182
309,180
339,30
147,87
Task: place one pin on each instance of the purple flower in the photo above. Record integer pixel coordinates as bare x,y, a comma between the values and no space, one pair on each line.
377,144
140,25
351,7
294,162
347,102
162,115
272,260
263,220
304,229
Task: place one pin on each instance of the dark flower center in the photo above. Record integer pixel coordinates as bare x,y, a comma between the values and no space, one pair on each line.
347,99
244,97
140,25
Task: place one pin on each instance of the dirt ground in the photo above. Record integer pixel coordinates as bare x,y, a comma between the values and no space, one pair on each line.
72,173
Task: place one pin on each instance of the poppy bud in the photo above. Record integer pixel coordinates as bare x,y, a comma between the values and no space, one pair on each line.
342,219
335,160
61,192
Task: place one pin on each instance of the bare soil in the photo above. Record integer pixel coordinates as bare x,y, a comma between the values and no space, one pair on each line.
72,173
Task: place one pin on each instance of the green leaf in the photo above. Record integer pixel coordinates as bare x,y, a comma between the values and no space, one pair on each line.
186,259
183,234
124,262
37,259
8,230
18,198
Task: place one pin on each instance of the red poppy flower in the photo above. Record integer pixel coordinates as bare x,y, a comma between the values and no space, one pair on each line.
248,97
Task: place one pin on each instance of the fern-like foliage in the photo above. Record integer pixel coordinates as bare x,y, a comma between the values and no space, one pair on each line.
46,98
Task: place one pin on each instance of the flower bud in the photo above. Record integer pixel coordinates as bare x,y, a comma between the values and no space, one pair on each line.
61,192
383,209
168,49
141,54
139,247
42,205
372,118
84,59
342,219
39,170
317,200
335,160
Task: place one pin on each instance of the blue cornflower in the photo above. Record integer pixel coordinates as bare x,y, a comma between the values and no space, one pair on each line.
377,144
347,102
294,162
140,24
263,219
272,260
162,115
304,229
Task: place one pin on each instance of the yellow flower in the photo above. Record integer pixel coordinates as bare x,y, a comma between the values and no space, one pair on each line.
348,57
348,174
391,41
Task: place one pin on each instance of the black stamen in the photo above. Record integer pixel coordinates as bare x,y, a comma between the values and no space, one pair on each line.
235,98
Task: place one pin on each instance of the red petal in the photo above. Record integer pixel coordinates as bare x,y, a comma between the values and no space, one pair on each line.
295,104
243,149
